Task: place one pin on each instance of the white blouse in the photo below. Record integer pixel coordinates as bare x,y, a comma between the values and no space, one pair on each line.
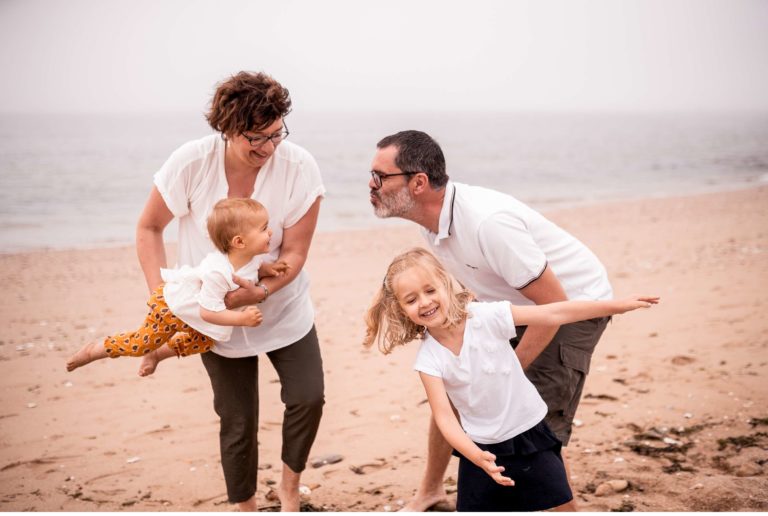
193,180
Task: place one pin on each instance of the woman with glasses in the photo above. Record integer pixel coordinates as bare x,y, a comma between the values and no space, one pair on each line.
249,157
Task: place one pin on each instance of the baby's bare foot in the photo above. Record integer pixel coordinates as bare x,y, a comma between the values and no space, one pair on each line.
87,354
149,363
150,360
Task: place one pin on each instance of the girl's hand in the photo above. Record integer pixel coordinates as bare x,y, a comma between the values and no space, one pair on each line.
251,316
633,303
487,461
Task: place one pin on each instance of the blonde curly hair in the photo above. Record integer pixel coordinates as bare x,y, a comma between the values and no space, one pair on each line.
386,322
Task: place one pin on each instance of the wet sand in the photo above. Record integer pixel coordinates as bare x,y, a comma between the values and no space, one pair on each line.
675,403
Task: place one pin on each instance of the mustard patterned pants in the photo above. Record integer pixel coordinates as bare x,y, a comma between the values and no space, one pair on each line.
160,326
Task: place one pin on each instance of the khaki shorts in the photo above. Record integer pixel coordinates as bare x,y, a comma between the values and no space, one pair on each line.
560,371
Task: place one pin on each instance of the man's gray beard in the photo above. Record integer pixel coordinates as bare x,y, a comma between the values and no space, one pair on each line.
398,204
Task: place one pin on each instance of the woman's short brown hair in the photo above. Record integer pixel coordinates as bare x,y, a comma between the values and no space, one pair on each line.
247,101
232,217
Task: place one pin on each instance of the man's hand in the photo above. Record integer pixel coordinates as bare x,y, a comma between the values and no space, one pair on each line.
487,461
251,316
247,294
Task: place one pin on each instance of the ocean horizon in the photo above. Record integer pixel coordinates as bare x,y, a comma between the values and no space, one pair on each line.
81,180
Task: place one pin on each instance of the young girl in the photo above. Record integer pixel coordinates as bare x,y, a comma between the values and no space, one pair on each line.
466,361
187,313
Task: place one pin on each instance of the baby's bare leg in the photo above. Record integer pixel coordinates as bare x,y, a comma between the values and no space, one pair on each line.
150,360
87,354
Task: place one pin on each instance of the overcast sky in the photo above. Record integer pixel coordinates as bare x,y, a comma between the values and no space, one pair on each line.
167,55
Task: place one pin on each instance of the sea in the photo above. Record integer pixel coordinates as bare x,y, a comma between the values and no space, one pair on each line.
80,180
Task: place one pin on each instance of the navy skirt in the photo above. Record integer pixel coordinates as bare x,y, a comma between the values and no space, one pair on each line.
532,459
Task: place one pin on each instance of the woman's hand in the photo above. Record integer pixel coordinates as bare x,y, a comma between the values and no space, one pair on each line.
487,461
247,294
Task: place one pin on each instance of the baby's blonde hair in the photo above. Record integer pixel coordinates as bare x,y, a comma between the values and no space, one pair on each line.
232,217
386,322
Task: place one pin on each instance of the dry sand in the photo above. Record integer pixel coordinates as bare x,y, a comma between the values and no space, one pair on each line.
675,403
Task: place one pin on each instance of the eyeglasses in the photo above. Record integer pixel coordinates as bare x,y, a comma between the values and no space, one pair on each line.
259,141
378,177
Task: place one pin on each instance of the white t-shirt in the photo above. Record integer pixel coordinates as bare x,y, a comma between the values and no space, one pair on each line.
496,245
485,382
188,288
193,180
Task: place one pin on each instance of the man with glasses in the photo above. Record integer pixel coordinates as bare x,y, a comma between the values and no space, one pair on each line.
501,250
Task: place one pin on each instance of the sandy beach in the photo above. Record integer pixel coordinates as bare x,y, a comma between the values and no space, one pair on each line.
675,411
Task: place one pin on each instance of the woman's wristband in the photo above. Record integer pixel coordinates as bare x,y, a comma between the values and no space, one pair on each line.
266,291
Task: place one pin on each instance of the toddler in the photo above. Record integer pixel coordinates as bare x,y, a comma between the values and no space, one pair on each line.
187,312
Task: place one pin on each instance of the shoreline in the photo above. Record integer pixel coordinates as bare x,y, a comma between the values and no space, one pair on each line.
674,403
386,224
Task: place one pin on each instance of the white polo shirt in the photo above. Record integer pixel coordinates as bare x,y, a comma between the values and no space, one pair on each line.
194,179
496,245
485,382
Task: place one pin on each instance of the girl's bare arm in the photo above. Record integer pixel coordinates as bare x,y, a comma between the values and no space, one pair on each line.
449,426
564,312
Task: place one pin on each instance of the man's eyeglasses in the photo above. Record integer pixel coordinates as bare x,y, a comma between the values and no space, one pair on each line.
378,177
259,141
